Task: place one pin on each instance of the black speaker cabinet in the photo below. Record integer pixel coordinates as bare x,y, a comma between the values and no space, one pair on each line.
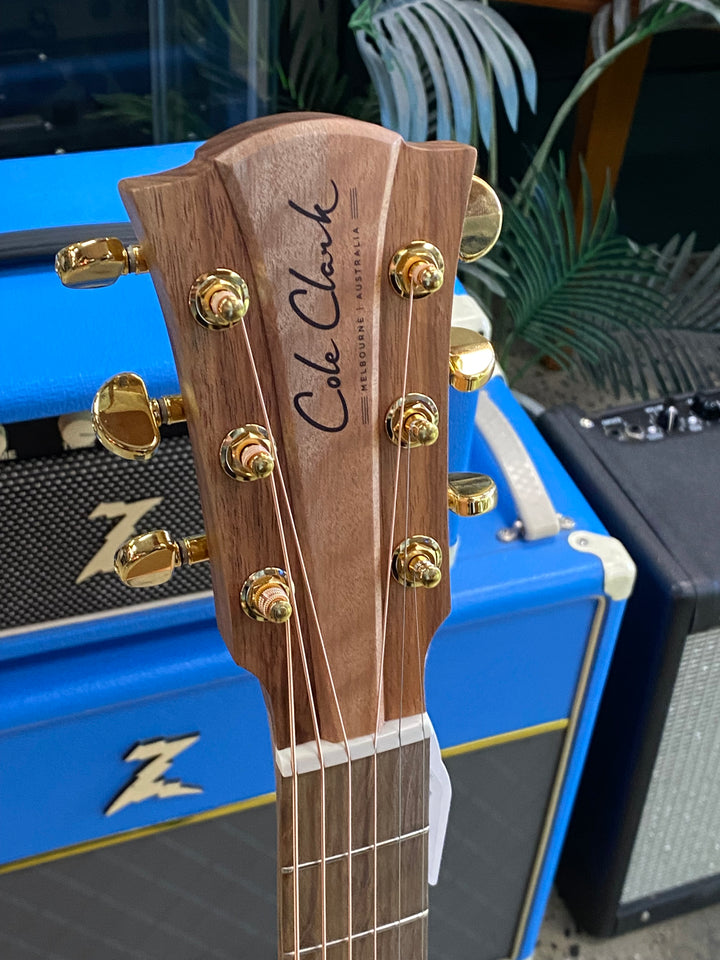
644,839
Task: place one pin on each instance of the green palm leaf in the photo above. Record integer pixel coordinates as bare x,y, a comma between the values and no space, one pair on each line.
617,19
435,64
570,299
627,318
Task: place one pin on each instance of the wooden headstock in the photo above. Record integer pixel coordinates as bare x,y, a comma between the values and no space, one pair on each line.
310,210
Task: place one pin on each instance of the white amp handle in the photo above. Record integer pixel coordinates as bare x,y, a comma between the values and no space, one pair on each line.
533,504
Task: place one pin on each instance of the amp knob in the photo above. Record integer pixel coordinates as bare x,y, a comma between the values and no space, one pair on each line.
706,406
667,419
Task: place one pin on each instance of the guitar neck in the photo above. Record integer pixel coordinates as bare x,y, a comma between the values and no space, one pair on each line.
388,822
301,263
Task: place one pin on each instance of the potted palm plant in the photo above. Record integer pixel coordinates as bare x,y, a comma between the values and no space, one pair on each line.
634,320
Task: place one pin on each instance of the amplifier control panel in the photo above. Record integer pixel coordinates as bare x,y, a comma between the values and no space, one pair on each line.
651,422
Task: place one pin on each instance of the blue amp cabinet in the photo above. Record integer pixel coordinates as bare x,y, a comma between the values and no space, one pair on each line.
136,807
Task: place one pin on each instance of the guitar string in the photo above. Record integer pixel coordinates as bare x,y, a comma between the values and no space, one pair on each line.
333,688
402,693
336,701
383,643
291,697
425,780
293,792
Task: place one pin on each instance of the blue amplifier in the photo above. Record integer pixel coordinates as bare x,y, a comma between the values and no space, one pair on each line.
137,799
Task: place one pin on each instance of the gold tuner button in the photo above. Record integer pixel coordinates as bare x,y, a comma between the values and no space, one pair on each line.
151,558
413,422
482,223
417,562
127,421
219,300
265,596
247,453
471,494
472,359
418,267
98,263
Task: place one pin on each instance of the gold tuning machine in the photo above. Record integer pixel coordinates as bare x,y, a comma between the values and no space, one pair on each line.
98,263
127,421
482,223
151,558
413,421
265,596
472,359
419,268
247,453
219,300
417,562
471,494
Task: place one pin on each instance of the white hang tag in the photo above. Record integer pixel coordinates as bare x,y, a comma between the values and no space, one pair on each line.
440,797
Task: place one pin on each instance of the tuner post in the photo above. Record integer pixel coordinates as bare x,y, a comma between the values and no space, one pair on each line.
246,453
265,596
472,359
417,562
418,268
127,420
471,494
150,559
220,299
413,421
98,263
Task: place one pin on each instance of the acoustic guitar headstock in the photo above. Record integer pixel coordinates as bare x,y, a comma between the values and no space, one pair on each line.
299,261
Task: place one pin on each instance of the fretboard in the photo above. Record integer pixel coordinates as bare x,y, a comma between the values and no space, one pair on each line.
389,854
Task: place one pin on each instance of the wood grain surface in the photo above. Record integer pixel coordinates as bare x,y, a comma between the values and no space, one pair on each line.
403,799
309,210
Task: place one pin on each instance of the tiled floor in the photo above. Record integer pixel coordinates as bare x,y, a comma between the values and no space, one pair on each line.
694,936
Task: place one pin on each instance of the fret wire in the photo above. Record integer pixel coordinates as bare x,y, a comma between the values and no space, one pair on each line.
422,915
342,856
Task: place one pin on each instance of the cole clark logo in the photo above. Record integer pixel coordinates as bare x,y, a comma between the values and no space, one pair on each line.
129,516
149,781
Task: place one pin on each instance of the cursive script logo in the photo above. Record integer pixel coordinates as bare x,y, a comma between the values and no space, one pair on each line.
315,302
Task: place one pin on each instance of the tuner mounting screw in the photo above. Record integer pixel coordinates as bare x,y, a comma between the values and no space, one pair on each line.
418,267
420,418
247,454
151,558
98,263
472,359
127,421
265,596
417,562
219,300
510,534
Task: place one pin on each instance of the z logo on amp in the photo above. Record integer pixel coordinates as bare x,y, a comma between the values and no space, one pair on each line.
149,781
128,516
